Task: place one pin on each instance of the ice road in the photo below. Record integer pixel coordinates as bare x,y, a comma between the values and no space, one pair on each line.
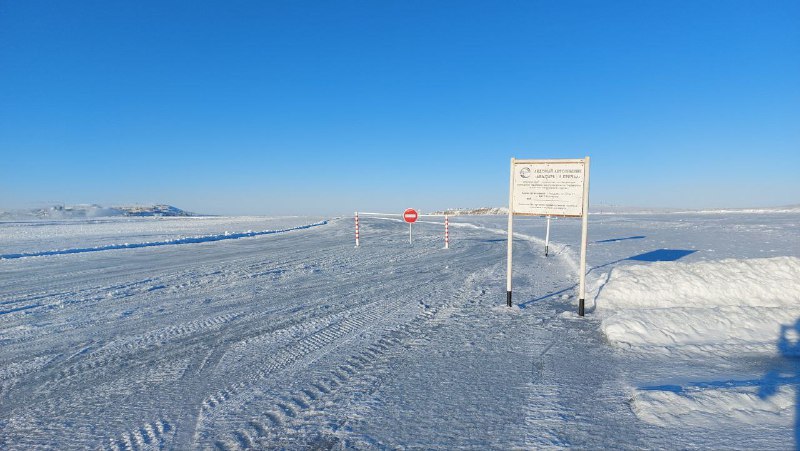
204,333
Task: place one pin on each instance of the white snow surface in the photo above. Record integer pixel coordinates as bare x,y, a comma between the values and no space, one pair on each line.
707,308
708,408
295,339
61,235
759,282
733,303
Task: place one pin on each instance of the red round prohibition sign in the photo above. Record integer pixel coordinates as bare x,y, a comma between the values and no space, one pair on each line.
410,215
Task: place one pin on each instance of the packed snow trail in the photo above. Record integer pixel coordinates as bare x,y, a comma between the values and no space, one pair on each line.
233,343
300,340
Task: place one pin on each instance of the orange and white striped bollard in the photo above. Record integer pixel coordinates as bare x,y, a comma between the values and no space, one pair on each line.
357,243
446,232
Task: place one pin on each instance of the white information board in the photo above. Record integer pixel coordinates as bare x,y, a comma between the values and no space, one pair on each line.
548,187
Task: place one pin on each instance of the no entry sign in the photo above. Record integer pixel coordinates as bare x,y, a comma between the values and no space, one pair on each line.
410,215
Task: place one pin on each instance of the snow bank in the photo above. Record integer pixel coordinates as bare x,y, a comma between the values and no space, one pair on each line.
763,282
177,241
719,309
709,408
731,329
737,304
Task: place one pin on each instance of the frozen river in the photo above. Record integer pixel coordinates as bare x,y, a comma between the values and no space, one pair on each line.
277,332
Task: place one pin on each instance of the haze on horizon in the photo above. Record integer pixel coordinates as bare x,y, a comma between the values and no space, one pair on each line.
307,108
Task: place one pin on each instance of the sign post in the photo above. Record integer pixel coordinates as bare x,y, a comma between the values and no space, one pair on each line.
584,234
549,188
547,237
410,216
509,258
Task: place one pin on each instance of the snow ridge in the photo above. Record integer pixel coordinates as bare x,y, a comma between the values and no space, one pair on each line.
702,311
187,240
718,303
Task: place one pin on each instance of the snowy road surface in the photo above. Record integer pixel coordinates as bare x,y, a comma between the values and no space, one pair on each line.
299,340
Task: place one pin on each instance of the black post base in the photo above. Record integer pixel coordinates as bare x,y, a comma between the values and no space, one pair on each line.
580,307
508,298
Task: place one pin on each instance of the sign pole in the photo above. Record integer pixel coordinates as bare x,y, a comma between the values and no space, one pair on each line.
410,216
510,234
584,233
547,237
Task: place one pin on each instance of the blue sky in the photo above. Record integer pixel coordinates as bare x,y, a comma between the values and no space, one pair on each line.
303,107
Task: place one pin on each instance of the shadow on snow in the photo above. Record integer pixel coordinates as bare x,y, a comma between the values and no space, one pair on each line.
658,255
786,373
662,255
611,240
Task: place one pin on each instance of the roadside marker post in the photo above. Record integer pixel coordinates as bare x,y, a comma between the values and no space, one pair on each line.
557,188
446,233
357,243
409,216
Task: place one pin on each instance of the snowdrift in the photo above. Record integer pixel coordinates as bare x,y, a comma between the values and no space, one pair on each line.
176,241
711,407
728,304
704,310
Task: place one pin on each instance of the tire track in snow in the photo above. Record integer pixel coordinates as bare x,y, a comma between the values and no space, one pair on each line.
26,297
210,346
332,326
120,350
135,345
359,372
153,435
116,353
174,283
307,349
236,274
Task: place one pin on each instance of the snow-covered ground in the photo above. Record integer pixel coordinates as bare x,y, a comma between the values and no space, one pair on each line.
218,335
21,238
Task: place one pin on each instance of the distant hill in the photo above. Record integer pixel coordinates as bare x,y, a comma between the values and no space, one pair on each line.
473,211
95,211
153,210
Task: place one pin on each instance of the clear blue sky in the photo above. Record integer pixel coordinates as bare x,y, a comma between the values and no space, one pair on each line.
284,107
